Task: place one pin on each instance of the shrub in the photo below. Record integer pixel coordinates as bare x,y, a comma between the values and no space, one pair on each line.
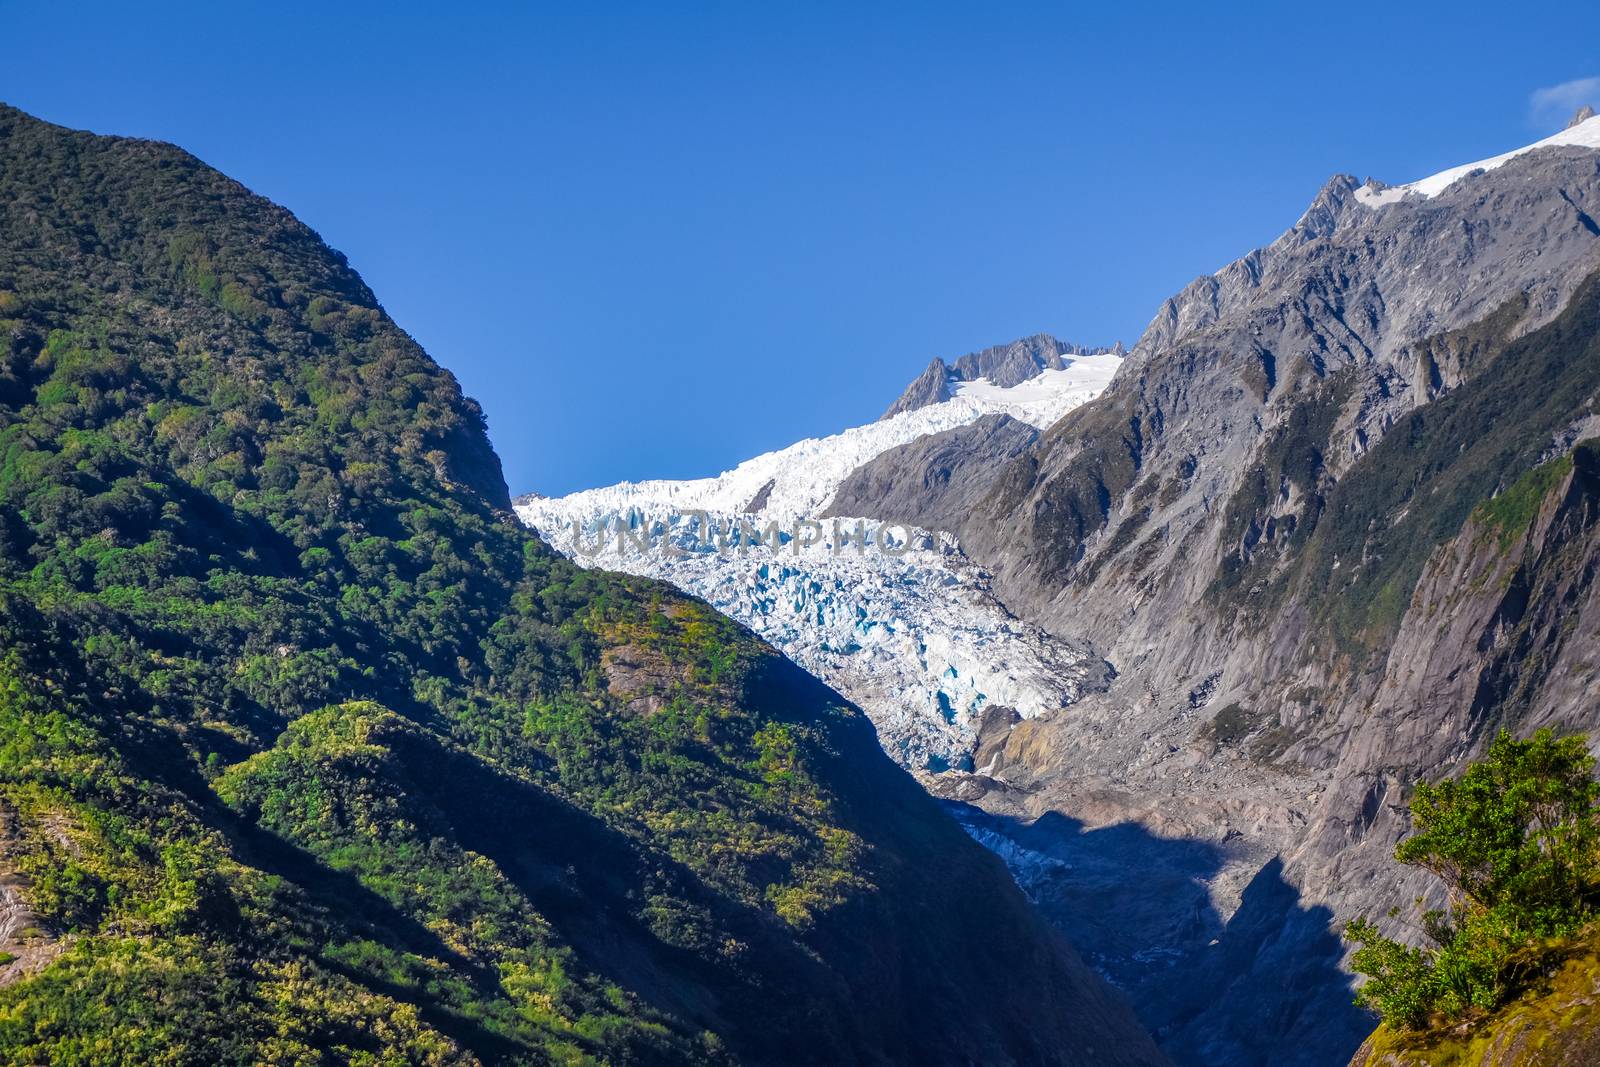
1515,841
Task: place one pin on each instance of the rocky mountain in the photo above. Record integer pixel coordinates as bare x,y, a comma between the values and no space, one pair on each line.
311,753
951,471
1329,526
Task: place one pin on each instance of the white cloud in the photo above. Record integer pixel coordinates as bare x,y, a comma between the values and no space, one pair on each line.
1557,103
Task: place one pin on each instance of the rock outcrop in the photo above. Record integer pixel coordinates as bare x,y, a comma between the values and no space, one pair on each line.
935,480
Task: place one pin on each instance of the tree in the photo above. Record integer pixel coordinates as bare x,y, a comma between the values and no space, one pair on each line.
1516,840
1518,828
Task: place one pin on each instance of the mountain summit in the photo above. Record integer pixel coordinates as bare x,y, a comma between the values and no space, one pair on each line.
1327,526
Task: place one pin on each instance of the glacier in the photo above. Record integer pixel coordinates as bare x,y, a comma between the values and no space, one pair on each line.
914,637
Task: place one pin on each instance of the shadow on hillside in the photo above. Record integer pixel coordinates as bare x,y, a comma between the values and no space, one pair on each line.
1262,987
364,913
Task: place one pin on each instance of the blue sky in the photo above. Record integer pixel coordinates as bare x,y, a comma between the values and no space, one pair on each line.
656,239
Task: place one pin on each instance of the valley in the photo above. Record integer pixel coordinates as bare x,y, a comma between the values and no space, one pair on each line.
1186,641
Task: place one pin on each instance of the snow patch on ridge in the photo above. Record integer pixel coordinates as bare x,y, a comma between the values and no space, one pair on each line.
1045,397
1583,135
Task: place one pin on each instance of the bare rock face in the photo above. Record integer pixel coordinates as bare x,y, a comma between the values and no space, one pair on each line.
1503,629
932,386
1585,113
1339,302
1209,463
935,480
1297,527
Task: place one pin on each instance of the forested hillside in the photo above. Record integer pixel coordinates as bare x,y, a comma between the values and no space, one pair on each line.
310,753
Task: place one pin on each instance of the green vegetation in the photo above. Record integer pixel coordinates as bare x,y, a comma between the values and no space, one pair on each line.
1554,1019
316,755
1231,725
1511,513
1353,550
1516,840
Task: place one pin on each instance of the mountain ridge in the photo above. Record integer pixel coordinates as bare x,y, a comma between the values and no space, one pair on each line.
1219,515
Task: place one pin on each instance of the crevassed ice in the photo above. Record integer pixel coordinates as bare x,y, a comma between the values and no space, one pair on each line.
918,641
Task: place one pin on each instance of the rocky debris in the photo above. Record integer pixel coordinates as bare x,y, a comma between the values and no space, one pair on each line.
961,786
994,727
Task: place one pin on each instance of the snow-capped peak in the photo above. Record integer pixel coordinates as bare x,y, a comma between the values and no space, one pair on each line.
798,481
1584,134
